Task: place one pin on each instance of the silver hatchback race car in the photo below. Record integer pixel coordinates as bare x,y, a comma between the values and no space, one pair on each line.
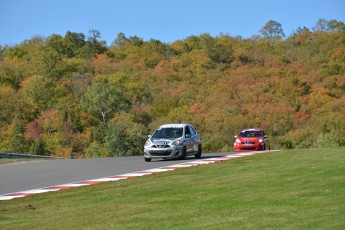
173,141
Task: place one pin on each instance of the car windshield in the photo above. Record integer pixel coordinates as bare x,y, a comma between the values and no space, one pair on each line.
168,133
250,134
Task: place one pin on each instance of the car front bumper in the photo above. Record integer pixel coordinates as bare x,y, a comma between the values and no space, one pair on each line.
238,147
168,153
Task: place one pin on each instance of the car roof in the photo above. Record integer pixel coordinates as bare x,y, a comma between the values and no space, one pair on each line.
173,126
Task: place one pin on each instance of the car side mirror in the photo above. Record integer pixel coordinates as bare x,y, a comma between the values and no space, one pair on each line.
188,135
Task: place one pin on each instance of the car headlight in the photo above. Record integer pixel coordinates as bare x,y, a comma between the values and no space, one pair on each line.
148,143
237,141
177,142
260,140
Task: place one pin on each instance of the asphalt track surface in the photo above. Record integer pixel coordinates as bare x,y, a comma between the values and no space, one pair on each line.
26,175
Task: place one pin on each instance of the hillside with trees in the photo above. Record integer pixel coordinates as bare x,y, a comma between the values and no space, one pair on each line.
73,94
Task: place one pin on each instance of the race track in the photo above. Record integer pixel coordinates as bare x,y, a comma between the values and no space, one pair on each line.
27,175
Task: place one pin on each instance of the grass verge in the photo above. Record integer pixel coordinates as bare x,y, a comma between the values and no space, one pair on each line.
296,189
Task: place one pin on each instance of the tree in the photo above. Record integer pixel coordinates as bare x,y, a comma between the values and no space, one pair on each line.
2,48
33,131
334,25
272,29
103,101
95,150
70,98
16,52
116,140
16,137
120,40
58,43
124,137
50,121
38,93
37,147
34,140
193,42
216,50
8,100
301,35
97,47
51,62
137,135
74,42
136,41
321,25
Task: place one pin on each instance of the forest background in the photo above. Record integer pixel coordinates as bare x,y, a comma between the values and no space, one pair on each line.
73,94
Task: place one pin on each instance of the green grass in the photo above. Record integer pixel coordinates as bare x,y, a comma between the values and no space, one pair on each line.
296,189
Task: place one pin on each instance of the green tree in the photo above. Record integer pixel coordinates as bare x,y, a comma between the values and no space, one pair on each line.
116,141
58,43
137,134
335,25
120,41
95,150
154,51
96,46
16,139
136,41
103,101
17,51
272,30
37,147
38,92
8,100
73,42
51,62
216,50
321,25
193,42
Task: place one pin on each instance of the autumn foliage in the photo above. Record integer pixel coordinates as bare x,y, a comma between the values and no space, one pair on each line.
66,95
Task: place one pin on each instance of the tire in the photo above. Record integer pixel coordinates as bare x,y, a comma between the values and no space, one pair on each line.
198,154
184,153
148,159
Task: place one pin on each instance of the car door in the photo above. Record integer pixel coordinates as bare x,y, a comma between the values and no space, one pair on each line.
196,140
194,143
188,140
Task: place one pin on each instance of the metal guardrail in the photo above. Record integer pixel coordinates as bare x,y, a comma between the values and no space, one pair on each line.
19,155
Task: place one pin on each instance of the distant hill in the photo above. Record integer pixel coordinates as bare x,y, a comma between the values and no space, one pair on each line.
65,95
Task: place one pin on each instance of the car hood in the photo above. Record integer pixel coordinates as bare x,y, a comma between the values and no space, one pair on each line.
161,141
249,138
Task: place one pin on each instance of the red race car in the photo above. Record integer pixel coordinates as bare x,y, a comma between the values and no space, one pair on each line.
251,139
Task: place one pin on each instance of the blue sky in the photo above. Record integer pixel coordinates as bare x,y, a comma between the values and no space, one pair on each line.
165,20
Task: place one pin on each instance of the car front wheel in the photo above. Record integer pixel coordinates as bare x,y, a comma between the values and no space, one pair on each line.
148,159
184,153
198,154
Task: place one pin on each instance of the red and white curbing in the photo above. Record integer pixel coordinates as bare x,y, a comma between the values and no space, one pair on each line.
125,176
